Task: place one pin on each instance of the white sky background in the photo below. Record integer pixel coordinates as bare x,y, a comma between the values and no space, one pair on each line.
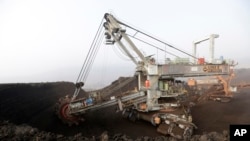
47,40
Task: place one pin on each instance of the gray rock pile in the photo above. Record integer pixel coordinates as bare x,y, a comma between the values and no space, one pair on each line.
9,131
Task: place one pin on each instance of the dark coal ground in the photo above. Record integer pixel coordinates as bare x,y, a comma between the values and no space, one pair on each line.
33,104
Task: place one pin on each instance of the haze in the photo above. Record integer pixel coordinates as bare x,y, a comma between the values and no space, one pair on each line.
47,40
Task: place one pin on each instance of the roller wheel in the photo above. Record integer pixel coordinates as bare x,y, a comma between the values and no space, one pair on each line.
225,99
188,132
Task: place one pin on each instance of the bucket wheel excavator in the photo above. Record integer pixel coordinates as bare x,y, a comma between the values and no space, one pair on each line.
161,92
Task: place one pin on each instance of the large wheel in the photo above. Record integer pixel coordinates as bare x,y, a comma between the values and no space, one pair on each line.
62,111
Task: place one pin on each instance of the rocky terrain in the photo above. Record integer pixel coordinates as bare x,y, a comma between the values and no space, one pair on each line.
27,113
9,131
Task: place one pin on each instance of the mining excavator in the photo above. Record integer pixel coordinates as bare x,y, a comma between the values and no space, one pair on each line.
162,90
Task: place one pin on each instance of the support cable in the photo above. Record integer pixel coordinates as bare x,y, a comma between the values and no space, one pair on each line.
152,45
94,55
90,54
156,39
88,61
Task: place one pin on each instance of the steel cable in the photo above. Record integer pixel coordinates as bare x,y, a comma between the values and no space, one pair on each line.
86,63
94,55
156,39
88,60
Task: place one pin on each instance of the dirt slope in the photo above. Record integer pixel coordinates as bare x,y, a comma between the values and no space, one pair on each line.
215,116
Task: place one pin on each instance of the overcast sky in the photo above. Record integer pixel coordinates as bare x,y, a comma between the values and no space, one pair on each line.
47,40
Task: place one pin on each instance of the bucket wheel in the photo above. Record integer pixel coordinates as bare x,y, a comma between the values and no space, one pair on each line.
63,112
